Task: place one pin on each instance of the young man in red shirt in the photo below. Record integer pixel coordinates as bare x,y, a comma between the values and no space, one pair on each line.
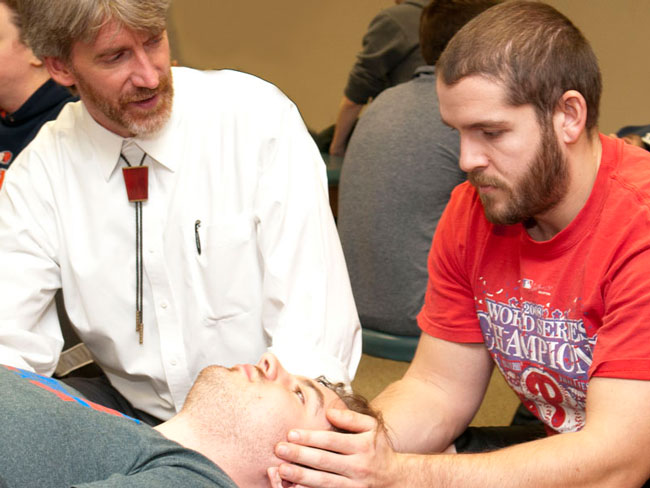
539,266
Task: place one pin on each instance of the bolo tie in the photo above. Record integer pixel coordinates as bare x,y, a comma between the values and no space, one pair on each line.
136,180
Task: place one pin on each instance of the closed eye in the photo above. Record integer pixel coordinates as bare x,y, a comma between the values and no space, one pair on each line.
490,129
113,57
492,134
300,394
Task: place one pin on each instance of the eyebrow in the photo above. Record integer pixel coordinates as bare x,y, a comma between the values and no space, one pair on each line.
112,50
319,394
482,124
488,124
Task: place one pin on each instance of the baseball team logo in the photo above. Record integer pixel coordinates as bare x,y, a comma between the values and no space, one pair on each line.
543,353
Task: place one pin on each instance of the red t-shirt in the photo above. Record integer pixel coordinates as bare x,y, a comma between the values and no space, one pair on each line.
553,313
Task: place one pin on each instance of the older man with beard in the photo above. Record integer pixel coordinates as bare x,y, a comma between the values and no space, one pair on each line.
539,266
183,213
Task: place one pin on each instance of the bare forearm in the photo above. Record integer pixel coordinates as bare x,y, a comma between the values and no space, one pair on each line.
413,422
559,461
347,116
610,450
425,411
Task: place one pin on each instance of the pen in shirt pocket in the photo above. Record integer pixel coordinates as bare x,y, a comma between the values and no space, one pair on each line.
197,224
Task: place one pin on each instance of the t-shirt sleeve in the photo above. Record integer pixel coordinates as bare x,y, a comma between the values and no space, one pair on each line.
622,347
619,268
449,312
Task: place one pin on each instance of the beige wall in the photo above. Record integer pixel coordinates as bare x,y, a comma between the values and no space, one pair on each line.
306,47
619,32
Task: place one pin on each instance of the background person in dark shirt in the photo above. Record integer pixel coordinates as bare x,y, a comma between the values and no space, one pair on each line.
28,97
389,56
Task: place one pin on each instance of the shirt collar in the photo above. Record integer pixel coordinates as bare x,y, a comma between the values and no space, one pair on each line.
107,145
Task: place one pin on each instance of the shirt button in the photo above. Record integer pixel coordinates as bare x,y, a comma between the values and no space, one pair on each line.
163,305
173,362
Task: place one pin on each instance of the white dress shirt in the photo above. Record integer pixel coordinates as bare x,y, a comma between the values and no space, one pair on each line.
235,155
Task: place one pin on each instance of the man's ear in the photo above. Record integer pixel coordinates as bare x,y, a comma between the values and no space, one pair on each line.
60,71
571,116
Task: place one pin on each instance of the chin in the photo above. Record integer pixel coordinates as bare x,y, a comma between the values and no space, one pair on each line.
148,124
146,128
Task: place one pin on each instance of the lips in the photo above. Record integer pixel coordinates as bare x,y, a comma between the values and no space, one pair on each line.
146,103
486,188
248,370
485,183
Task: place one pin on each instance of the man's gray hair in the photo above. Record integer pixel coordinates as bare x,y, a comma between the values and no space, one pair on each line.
52,27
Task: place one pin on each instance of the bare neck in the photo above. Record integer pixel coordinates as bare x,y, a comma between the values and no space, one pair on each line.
584,161
22,91
197,436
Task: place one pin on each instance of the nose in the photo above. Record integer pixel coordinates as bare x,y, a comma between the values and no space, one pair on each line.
271,368
471,155
145,73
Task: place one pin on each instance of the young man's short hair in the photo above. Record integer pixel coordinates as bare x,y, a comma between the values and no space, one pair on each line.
534,50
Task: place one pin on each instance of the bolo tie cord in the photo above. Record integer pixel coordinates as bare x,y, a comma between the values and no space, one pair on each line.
139,327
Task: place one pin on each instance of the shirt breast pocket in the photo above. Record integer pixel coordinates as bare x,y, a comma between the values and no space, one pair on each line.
227,269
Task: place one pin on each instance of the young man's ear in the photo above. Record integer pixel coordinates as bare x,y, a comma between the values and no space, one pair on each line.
571,116
60,71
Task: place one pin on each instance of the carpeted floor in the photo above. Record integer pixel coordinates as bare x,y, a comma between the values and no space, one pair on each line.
374,374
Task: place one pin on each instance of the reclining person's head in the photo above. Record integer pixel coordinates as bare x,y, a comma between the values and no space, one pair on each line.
238,414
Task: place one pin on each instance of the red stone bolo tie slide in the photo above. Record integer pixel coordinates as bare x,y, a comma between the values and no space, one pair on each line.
136,180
